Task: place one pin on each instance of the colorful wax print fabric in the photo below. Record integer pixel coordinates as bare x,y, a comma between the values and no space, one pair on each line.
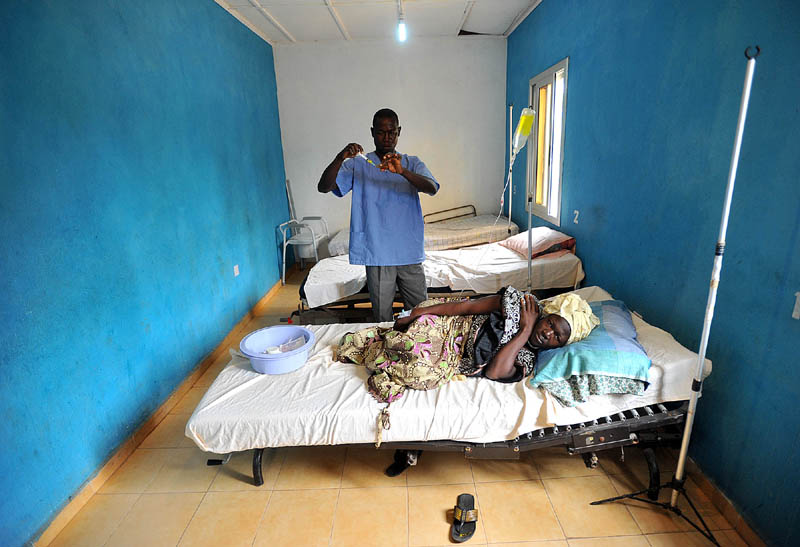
426,356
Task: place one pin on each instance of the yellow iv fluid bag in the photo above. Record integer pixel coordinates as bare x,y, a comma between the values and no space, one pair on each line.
523,129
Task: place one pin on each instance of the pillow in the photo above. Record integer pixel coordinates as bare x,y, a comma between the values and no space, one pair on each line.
611,355
340,243
543,240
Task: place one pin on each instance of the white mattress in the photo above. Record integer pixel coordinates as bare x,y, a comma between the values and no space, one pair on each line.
447,234
327,403
484,269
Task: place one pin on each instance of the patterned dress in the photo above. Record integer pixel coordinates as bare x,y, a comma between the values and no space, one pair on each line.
435,348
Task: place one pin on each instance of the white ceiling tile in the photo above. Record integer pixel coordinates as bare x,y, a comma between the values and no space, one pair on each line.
258,20
306,22
368,20
310,20
434,17
494,16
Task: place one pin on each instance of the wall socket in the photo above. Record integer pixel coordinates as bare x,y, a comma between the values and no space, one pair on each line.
577,214
235,270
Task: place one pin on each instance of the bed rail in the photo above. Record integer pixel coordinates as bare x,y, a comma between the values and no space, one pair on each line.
622,429
468,211
646,426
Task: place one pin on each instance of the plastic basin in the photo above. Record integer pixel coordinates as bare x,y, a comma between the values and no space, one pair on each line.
254,344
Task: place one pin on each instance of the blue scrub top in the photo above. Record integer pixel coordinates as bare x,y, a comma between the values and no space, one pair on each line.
386,227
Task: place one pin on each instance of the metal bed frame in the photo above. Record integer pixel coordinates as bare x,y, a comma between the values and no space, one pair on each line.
647,426
469,213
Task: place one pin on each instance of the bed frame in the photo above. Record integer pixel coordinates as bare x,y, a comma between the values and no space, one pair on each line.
464,211
357,308
647,427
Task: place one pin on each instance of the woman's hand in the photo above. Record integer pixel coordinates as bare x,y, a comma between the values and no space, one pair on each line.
528,313
402,323
392,162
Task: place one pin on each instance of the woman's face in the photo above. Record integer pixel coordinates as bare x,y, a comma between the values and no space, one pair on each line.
551,331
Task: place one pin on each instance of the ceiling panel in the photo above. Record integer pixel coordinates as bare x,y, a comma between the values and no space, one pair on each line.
494,16
310,20
258,20
368,20
306,22
434,18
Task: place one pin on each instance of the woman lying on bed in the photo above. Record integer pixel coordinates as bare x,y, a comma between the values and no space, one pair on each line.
497,337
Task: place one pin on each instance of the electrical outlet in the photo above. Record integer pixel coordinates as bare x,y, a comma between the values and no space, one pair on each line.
235,270
577,213
796,312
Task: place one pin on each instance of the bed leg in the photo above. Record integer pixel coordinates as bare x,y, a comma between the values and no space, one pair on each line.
590,460
403,459
655,475
258,478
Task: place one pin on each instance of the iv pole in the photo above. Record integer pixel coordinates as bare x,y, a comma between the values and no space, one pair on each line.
678,480
510,162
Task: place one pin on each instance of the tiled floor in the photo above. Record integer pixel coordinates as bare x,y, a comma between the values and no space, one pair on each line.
164,494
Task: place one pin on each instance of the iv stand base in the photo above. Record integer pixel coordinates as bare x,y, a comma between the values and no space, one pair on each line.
672,485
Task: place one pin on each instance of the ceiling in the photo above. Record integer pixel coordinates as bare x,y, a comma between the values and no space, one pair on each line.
296,21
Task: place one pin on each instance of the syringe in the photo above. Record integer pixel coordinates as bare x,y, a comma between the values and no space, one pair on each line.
363,155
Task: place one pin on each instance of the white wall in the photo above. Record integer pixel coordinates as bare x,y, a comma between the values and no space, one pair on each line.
449,94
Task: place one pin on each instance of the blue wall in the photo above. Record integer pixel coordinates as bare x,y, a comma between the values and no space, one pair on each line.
652,102
141,159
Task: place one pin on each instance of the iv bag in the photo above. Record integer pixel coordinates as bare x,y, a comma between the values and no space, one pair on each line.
523,129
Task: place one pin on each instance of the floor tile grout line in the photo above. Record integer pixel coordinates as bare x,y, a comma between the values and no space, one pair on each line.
555,513
261,518
333,519
478,500
118,524
408,515
196,509
627,508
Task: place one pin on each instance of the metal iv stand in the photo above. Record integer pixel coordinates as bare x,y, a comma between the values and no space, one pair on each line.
678,480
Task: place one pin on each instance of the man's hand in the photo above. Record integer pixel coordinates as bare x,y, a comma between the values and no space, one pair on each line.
528,313
351,150
392,162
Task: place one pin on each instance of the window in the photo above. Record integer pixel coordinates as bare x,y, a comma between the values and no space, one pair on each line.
548,96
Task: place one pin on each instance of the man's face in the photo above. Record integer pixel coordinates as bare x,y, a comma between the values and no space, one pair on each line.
385,133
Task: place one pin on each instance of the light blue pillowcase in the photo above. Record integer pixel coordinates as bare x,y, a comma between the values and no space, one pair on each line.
611,349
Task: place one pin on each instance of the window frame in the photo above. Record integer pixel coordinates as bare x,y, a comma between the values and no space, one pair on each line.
543,211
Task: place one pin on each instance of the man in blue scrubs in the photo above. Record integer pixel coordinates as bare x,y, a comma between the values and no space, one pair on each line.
386,228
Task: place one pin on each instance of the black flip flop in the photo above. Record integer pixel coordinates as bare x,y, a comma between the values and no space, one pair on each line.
464,518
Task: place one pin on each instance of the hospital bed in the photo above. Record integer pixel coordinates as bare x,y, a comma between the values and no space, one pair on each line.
326,402
447,229
463,255
334,288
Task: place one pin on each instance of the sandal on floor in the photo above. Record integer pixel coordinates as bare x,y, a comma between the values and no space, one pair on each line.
464,518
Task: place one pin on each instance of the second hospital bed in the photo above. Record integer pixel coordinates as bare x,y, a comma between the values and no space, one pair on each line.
326,402
334,285
447,229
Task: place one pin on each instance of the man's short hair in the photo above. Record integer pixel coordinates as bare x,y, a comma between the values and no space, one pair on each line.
385,113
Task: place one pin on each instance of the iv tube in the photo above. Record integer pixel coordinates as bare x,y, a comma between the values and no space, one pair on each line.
523,129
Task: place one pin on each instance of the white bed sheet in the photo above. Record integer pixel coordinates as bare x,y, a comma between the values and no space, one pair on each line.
484,269
327,403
